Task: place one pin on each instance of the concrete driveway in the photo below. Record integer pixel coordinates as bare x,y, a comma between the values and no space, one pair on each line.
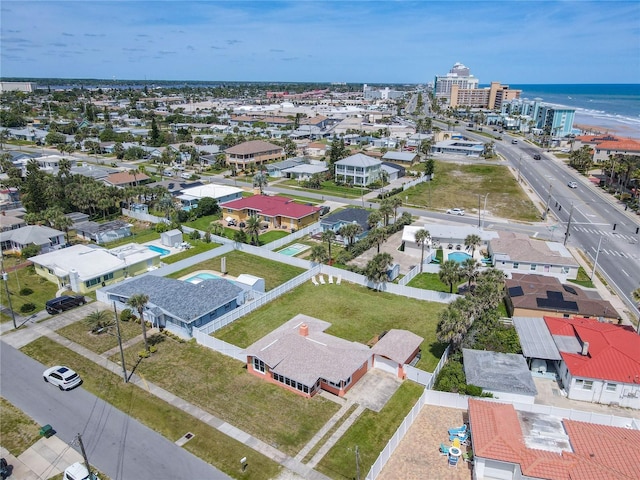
374,390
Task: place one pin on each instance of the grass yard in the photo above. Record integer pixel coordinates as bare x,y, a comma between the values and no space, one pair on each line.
272,235
17,430
79,333
43,289
429,281
197,246
370,433
459,186
140,236
274,273
327,188
208,443
203,223
222,386
356,313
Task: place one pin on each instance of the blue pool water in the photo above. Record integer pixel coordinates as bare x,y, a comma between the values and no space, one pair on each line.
294,249
161,251
458,256
200,277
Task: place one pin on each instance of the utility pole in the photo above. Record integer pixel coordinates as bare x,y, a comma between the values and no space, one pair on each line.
519,167
546,208
124,367
566,234
5,278
595,262
479,211
84,455
484,216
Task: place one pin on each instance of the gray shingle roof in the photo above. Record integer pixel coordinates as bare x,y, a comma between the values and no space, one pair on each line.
348,215
359,160
398,345
499,372
183,300
36,234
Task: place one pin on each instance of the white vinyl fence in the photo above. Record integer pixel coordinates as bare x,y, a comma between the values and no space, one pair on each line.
145,217
219,346
417,181
281,242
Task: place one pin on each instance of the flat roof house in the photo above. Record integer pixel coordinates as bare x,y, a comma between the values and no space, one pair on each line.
85,268
277,212
176,304
253,153
190,197
358,170
459,147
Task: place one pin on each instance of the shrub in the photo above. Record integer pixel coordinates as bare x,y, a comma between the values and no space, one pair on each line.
194,235
473,390
451,378
143,354
161,227
28,307
25,291
126,315
154,349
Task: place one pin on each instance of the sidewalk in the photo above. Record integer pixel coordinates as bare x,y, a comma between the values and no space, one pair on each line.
28,334
46,458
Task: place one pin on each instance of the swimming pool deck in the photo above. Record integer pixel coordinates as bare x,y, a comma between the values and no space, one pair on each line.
211,272
156,243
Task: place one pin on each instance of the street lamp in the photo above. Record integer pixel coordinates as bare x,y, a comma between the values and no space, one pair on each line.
595,262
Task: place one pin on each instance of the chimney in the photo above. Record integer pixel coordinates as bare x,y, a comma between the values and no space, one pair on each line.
585,349
304,330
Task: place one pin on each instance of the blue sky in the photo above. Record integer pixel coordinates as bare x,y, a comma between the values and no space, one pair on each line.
388,41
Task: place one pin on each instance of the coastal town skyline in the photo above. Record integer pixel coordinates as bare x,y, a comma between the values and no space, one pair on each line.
376,42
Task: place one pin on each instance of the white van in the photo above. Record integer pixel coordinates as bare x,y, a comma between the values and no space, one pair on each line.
77,471
186,175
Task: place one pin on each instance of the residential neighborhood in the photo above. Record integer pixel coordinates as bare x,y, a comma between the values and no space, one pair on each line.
289,276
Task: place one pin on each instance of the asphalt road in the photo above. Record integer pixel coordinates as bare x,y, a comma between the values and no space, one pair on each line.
116,444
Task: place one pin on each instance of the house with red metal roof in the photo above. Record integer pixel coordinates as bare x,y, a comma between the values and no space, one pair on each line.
273,211
600,362
512,444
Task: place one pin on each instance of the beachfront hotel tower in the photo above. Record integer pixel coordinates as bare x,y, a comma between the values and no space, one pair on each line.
459,76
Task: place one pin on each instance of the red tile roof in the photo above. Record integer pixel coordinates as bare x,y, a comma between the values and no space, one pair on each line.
599,452
273,206
613,353
622,145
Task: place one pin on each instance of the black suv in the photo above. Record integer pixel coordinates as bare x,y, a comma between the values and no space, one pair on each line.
66,302
537,156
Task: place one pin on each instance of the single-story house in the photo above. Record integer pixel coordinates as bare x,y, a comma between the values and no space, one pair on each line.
103,232
443,235
530,295
92,171
277,212
275,169
189,197
517,253
301,357
46,238
316,149
358,170
349,215
515,444
468,148
594,361
253,153
178,305
408,158
304,171
11,222
127,179
505,375
85,268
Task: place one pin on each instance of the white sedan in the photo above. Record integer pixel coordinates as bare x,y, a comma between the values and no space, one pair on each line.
455,211
63,377
572,185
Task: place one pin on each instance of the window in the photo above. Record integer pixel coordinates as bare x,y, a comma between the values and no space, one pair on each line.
516,265
584,384
258,365
108,276
92,282
565,270
611,387
533,266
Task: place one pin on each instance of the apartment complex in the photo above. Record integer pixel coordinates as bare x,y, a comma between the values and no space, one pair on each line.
527,114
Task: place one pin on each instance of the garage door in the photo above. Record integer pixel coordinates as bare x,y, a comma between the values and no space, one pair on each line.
385,364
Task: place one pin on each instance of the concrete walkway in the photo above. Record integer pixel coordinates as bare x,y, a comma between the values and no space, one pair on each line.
46,458
28,334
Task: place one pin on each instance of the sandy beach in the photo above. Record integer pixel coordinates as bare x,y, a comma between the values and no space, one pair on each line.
618,130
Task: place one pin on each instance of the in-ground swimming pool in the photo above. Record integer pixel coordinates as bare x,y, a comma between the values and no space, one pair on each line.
458,256
293,250
200,277
161,251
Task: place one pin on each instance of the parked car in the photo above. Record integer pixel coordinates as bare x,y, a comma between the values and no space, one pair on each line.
514,141
572,185
231,223
64,303
455,211
324,210
77,471
537,156
63,377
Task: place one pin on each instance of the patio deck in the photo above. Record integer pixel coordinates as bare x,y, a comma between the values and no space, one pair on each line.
417,457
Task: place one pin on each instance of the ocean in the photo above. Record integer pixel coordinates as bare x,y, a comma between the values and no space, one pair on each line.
612,108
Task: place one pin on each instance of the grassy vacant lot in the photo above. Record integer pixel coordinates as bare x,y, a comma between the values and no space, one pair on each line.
79,333
43,290
274,273
370,433
356,313
17,430
459,186
328,188
209,444
222,386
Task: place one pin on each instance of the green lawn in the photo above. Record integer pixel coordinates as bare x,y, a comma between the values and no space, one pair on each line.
79,333
222,386
43,289
370,433
197,246
142,236
459,186
428,281
274,273
272,235
328,188
17,430
356,313
203,223
209,444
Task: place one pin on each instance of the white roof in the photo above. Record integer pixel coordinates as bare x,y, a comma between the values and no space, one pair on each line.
359,160
311,169
211,190
447,231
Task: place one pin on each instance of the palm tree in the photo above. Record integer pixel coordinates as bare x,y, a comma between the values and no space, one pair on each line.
318,254
422,237
350,231
449,273
472,241
139,302
396,202
453,324
260,181
385,210
374,219
329,236
253,228
378,236
216,228
99,320
377,267
469,269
